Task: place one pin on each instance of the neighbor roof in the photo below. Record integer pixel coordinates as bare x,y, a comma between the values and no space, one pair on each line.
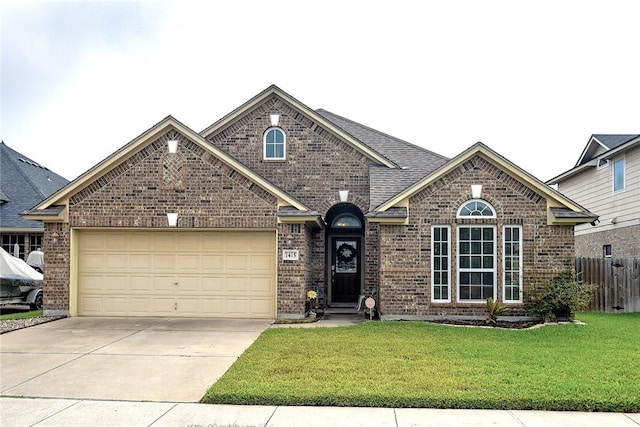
23,184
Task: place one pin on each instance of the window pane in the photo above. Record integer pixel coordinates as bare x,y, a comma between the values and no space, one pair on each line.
464,233
465,262
487,248
465,248
475,233
475,262
475,248
618,175
487,262
487,233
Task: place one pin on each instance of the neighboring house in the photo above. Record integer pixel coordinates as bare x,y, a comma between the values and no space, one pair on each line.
606,180
275,199
23,184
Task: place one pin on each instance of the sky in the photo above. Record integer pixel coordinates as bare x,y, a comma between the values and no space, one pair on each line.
533,80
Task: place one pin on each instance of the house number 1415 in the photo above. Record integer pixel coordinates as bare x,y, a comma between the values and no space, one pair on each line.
290,255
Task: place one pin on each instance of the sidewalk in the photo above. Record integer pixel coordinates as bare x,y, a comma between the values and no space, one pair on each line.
18,412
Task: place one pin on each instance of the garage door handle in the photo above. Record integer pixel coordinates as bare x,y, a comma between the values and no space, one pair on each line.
175,283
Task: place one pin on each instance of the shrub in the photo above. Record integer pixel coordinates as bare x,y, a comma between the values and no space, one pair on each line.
495,309
561,298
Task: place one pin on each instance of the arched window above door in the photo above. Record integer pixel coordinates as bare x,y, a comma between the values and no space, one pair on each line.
346,220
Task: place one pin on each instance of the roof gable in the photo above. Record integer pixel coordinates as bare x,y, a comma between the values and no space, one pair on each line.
600,143
554,198
117,158
227,120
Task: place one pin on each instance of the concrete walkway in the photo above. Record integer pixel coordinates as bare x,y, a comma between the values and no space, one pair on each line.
70,412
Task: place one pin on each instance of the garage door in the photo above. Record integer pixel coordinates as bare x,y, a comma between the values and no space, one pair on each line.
181,274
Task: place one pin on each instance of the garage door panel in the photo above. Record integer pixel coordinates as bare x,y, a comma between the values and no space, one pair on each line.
142,261
116,262
236,285
164,262
141,242
212,262
115,283
120,240
263,285
164,283
261,263
189,284
140,283
92,283
164,241
92,261
218,274
213,284
189,263
237,262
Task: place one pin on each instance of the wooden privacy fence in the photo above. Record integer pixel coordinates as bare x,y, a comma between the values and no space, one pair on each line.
617,282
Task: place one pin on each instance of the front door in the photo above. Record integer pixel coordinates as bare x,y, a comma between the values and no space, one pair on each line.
346,269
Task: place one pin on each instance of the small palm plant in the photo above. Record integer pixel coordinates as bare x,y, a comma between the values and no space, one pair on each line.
495,309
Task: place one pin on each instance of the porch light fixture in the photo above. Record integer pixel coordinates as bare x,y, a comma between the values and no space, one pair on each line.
172,218
54,237
275,119
476,191
289,239
173,146
344,195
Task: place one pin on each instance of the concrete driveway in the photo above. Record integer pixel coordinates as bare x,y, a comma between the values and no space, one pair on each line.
142,359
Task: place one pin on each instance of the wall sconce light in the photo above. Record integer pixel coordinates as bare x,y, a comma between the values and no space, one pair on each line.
289,239
476,191
344,195
172,218
54,237
275,119
595,222
614,220
173,146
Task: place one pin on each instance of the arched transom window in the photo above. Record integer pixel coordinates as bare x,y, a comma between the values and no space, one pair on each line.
346,220
476,208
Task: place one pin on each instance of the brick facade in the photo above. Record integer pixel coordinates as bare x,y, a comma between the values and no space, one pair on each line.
624,241
209,194
405,289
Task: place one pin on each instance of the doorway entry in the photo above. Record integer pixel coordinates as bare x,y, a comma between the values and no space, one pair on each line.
345,253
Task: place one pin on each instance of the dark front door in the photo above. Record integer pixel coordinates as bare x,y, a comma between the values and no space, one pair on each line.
346,268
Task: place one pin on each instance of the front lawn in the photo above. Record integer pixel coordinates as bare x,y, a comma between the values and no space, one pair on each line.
592,367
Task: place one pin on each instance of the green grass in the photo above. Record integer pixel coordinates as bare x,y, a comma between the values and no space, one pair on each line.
21,315
592,367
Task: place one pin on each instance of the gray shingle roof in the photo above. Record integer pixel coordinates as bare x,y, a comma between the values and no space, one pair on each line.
23,184
613,141
414,162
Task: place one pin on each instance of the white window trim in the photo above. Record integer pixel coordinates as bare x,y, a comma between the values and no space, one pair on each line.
504,263
448,228
477,217
264,144
624,175
462,270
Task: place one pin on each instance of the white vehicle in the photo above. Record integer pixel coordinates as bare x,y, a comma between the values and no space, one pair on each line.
19,282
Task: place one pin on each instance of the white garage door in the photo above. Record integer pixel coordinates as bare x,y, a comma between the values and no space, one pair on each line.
181,274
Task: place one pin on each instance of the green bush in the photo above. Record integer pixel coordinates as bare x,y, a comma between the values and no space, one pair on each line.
561,298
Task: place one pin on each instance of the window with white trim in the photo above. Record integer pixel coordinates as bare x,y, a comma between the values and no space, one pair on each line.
512,263
618,175
440,265
476,263
275,144
476,208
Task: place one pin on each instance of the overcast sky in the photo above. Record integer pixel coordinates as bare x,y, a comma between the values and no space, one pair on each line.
530,79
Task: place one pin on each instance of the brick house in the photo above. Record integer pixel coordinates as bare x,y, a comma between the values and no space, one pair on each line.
275,199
